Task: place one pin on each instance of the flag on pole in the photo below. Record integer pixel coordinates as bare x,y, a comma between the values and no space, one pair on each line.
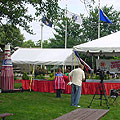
75,17
103,17
46,21
83,62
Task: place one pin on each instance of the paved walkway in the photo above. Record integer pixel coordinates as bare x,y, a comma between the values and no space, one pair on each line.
84,114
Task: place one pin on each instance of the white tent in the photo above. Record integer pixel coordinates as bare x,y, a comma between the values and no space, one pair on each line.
108,45
38,56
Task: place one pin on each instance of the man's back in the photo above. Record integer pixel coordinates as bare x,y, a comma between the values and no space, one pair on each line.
77,76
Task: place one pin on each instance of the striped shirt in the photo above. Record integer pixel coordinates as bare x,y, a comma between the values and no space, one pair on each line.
59,81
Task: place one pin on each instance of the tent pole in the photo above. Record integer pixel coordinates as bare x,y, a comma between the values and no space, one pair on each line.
74,61
92,62
32,77
29,71
98,57
98,18
63,69
54,70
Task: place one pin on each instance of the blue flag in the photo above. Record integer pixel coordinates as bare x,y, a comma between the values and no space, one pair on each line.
46,22
76,53
103,17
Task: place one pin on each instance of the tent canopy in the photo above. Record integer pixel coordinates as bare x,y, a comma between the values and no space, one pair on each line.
108,45
43,56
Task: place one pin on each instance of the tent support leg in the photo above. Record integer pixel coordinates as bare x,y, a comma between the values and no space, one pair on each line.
63,69
54,70
92,62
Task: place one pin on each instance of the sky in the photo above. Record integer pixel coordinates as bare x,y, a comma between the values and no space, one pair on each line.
74,6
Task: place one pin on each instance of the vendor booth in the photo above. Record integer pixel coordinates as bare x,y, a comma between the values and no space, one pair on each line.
108,45
38,56
105,46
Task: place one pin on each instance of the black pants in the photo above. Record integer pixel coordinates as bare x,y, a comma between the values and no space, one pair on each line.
58,93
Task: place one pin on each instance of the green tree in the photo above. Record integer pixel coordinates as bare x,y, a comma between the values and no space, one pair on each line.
45,44
90,23
11,34
15,12
73,34
28,44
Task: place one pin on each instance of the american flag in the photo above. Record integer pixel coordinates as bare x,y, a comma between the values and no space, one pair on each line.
59,81
83,62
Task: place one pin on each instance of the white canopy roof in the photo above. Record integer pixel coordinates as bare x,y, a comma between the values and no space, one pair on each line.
43,56
108,45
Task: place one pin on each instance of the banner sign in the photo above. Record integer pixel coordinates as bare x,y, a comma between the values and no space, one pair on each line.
7,62
108,65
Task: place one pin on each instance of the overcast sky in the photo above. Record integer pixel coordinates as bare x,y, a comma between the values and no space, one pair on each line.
75,6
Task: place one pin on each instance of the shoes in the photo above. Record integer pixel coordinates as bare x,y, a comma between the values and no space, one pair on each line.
58,97
76,106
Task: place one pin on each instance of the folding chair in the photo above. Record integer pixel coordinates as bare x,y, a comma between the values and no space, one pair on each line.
113,96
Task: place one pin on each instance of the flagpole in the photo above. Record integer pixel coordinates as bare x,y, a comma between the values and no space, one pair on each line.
98,21
66,27
98,18
41,35
66,35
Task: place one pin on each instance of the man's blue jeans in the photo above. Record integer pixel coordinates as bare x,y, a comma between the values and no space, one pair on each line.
75,94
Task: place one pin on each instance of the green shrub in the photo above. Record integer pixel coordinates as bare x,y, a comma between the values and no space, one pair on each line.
117,77
52,74
97,77
41,76
94,76
25,76
15,78
108,77
52,78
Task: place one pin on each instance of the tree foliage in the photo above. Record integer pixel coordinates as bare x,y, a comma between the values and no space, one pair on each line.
90,23
11,34
48,8
44,43
15,12
73,34
28,44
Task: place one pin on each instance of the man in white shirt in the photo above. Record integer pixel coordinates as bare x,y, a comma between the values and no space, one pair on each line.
76,76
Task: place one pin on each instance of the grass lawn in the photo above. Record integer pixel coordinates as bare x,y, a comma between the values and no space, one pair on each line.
45,106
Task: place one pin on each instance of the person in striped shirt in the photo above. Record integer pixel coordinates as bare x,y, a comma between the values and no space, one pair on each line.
59,83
